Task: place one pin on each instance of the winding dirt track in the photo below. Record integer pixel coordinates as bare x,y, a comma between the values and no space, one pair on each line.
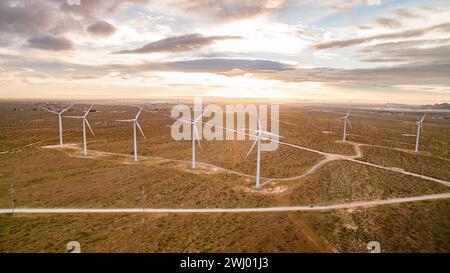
328,157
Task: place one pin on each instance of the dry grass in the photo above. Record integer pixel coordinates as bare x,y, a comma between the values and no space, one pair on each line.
63,178
412,162
154,233
413,227
50,178
347,182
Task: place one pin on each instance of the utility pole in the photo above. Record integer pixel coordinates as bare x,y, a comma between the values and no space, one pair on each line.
143,198
13,200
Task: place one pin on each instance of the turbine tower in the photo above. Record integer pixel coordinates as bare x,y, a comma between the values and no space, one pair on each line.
59,121
135,124
259,135
346,120
85,122
419,130
194,136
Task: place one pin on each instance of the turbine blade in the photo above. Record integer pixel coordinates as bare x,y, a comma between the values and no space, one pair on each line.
88,110
196,135
90,128
125,120
140,129
253,146
51,111
64,110
185,120
139,113
75,117
423,117
197,119
259,122
348,121
271,134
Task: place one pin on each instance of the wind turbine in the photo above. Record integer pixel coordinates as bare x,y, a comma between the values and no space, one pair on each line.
346,120
259,135
85,122
419,129
59,121
194,136
135,124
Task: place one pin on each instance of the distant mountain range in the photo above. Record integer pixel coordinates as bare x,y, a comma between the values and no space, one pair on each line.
441,106
437,106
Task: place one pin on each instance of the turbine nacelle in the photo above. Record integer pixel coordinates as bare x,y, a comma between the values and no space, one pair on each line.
420,120
84,118
135,120
194,127
60,112
135,124
346,119
260,136
419,123
348,113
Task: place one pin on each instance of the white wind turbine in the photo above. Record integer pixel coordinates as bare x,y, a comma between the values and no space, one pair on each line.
346,120
419,130
194,136
259,135
85,122
59,121
135,124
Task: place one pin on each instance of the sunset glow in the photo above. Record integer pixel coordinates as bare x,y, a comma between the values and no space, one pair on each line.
326,51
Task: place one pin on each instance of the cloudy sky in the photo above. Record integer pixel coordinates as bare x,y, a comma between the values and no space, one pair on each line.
324,51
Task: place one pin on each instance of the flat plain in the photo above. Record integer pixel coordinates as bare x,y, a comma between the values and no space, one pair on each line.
44,175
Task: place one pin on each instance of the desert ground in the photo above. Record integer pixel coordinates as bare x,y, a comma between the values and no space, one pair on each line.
312,167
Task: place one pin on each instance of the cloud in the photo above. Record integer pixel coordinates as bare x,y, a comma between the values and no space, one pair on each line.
410,51
206,65
388,22
224,10
347,4
433,73
413,73
101,28
213,65
389,36
404,13
188,42
119,3
87,9
92,9
418,74
217,65
49,42
25,16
